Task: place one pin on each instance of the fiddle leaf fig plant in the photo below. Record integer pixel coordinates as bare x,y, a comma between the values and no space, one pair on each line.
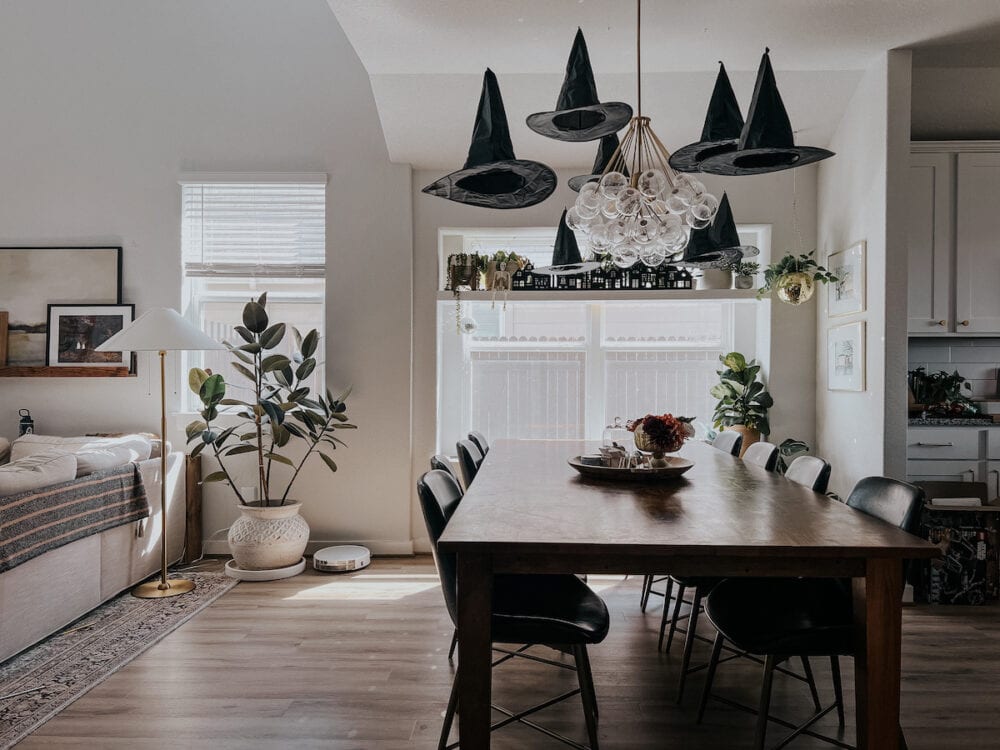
280,406
742,397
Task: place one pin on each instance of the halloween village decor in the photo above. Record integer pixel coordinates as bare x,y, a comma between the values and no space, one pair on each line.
605,150
766,143
721,132
492,176
579,114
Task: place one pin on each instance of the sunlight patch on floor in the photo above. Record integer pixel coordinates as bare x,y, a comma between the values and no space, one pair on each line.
369,587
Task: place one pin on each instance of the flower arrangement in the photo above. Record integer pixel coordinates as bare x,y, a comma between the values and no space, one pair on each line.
660,433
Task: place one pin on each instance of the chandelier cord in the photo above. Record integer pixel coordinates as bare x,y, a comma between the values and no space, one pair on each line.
638,57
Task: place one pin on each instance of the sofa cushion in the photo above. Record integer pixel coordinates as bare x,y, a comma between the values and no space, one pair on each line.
36,471
92,453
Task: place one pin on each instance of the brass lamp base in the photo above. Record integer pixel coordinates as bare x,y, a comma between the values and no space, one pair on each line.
156,589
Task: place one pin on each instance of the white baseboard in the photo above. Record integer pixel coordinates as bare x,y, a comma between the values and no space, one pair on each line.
377,546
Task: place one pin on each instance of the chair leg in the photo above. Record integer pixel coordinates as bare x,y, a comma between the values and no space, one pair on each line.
838,689
689,639
587,694
760,734
454,644
807,669
449,715
673,620
647,584
710,677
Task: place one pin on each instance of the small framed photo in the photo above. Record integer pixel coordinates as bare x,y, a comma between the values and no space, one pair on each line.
847,295
75,332
846,357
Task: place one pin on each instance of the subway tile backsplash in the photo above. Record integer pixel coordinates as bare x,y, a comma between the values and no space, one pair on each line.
975,359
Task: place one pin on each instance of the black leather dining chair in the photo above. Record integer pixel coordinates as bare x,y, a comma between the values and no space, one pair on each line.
481,442
441,462
762,454
470,458
559,611
801,617
728,441
810,471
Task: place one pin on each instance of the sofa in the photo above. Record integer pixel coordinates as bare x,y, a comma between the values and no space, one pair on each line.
46,593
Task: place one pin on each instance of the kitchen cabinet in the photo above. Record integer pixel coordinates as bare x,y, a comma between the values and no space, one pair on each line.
977,244
954,454
930,243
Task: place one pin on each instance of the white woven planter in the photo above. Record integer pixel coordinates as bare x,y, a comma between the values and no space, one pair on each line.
268,538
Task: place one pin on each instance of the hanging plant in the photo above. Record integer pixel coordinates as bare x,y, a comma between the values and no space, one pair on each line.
794,278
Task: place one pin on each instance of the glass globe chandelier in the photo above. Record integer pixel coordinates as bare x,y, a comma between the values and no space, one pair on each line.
640,209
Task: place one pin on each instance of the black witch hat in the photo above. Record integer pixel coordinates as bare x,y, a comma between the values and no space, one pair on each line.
566,258
721,132
766,142
605,150
492,176
579,115
716,244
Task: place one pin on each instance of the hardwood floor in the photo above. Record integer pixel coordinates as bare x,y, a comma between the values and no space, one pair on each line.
360,661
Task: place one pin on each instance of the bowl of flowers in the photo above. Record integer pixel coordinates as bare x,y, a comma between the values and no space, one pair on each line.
660,434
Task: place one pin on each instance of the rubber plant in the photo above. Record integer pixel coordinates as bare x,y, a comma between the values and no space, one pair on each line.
742,398
280,408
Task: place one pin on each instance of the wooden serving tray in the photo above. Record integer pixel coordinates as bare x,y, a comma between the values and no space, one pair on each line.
676,468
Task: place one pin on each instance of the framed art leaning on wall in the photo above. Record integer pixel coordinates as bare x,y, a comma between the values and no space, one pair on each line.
75,331
845,359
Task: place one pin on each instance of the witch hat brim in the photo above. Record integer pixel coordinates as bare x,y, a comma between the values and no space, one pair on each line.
492,176
766,142
579,115
605,151
721,131
717,244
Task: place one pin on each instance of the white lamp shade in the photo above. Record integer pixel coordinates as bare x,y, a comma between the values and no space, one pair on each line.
159,329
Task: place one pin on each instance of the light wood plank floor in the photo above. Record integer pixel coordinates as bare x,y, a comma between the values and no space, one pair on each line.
360,661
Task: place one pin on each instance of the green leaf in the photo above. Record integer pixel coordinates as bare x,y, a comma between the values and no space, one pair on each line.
274,362
244,333
208,436
252,348
241,356
215,476
279,458
197,449
294,430
298,338
262,299
328,461
274,412
734,361
309,343
343,396
245,372
255,317
305,369
193,429
212,390
280,434
196,376
233,402
298,393
238,449
221,439
272,336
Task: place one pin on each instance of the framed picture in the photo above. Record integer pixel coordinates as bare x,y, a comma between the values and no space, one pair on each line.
847,296
846,357
75,332
31,278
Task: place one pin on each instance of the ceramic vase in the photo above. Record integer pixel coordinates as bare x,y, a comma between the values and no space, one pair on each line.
268,537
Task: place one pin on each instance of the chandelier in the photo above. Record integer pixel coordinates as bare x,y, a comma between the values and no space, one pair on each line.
641,209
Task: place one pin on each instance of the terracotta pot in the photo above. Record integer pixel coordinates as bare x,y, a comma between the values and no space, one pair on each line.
268,538
750,436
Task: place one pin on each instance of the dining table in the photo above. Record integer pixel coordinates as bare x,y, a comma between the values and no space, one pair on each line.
529,511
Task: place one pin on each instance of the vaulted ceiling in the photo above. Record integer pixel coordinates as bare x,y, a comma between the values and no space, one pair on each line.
426,59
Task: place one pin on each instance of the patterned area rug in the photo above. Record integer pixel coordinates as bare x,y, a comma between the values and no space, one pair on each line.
42,681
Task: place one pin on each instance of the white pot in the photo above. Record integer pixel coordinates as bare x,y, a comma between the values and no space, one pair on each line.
715,278
268,538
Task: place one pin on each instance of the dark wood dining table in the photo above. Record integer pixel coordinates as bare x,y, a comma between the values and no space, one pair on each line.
528,511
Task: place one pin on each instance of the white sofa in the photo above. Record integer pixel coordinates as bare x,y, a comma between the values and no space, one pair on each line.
44,594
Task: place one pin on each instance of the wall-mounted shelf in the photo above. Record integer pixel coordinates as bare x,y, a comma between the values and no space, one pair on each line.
65,372
587,295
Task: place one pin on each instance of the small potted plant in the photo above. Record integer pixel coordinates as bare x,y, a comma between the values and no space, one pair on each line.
464,270
743,400
660,434
794,278
940,394
743,273
270,535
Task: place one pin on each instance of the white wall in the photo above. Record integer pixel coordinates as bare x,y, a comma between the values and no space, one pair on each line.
956,103
860,433
755,200
106,102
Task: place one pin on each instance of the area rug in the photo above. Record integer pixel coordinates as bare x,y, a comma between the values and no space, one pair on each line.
42,681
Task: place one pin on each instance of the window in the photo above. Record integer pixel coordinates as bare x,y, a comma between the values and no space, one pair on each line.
240,238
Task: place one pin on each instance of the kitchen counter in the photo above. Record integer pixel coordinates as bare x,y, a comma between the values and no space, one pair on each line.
951,422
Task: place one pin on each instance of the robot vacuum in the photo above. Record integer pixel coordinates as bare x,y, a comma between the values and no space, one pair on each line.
342,558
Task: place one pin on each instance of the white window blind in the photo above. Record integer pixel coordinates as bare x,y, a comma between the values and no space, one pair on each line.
254,229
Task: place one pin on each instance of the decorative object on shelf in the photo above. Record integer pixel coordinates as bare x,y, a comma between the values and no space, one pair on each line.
579,114
464,270
161,330
492,176
644,216
767,143
743,401
721,131
281,407
940,394
794,278
26,425
500,268
74,333
718,245
713,278
846,295
846,357
605,150
565,251
32,277
660,434
744,272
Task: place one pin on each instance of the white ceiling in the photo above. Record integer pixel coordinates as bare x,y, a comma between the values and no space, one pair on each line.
426,59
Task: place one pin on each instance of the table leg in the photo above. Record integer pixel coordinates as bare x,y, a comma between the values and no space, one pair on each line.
475,603
878,618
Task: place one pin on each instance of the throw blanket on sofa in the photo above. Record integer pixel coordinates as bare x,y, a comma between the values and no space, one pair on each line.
36,521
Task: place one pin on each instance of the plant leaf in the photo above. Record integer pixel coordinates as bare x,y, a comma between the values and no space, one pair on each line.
305,369
215,476
328,461
244,371
238,449
255,317
196,376
272,336
274,362
309,343
212,390
244,333
279,458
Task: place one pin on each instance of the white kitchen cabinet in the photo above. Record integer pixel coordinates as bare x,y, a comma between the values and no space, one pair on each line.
977,244
930,246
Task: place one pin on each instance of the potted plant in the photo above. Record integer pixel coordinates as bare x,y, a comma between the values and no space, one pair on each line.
940,393
743,273
743,401
270,534
794,278
659,434
464,270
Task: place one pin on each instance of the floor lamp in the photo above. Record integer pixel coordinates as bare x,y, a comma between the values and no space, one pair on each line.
161,330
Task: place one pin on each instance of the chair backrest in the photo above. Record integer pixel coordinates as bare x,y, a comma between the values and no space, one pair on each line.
470,458
728,441
481,442
440,496
440,462
811,471
892,501
762,454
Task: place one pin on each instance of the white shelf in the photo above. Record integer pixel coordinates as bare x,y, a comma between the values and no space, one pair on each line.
588,295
